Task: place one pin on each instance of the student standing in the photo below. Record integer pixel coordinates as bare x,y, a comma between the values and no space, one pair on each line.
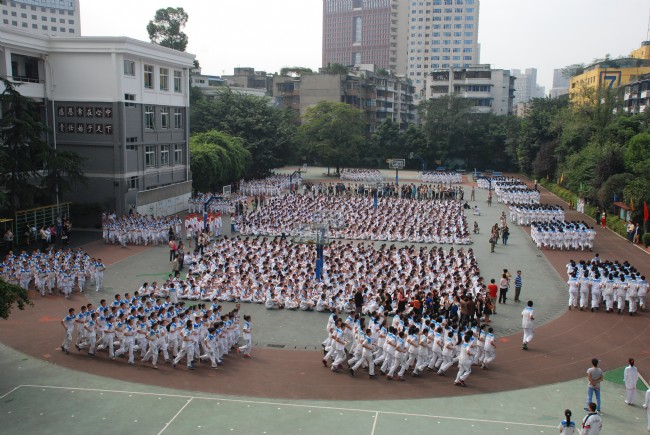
594,377
518,284
567,427
68,326
631,377
591,424
646,406
527,323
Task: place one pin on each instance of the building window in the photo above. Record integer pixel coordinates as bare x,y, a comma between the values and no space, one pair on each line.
178,77
178,118
164,155
164,117
149,117
150,156
148,76
71,30
129,68
129,100
164,79
133,183
356,30
178,154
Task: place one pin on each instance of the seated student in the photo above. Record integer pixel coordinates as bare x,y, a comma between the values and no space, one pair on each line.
476,229
271,302
306,304
322,304
477,211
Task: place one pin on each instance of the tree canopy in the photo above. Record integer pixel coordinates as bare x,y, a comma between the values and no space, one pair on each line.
216,159
268,133
166,28
12,295
333,133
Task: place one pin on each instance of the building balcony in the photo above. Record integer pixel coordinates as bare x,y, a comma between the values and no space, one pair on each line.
27,87
645,94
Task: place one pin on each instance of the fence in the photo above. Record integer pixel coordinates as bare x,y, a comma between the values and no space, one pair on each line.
36,218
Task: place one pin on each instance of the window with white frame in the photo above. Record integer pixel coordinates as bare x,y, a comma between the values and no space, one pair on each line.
133,183
148,76
178,118
164,79
164,117
150,156
129,100
129,68
178,81
178,154
164,155
149,117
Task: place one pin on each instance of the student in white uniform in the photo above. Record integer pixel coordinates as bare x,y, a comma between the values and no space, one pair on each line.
591,423
630,377
187,346
527,323
646,406
248,342
464,361
567,427
366,355
489,350
68,326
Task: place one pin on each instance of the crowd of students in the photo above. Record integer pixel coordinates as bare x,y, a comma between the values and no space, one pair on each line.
526,214
362,175
442,177
613,284
152,326
393,219
138,229
53,271
562,235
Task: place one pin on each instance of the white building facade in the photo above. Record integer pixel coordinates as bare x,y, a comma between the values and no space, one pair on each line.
442,34
120,103
526,87
45,17
489,90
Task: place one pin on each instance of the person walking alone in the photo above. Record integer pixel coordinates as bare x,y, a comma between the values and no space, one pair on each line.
528,324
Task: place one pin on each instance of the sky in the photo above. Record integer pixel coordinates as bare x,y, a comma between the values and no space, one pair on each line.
270,34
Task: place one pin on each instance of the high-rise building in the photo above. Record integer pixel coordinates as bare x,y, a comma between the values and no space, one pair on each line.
45,17
359,32
560,84
526,87
442,34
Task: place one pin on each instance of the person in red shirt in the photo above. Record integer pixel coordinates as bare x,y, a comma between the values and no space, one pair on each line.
492,291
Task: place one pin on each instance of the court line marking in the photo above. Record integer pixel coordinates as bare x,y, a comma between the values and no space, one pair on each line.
644,381
289,405
11,391
176,415
374,423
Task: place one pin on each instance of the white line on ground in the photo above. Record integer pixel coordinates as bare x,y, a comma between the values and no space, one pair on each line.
644,381
374,423
176,415
8,393
289,405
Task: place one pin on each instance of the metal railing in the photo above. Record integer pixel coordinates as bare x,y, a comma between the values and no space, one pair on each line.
36,218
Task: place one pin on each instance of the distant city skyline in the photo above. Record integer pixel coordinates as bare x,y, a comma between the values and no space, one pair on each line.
513,34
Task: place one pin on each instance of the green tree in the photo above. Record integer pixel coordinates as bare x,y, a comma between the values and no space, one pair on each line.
333,133
296,70
334,68
269,133
166,28
63,170
216,159
21,156
573,70
10,295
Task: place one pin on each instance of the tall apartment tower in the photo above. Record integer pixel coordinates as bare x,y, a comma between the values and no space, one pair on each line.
44,17
526,87
359,32
442,34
